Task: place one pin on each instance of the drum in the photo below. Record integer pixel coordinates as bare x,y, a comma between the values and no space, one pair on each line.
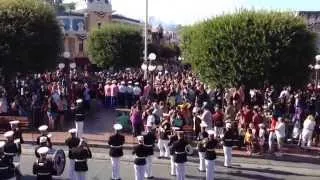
58,157
189,150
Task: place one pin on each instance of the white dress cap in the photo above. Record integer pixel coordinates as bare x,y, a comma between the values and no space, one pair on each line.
117,127
43,128
8,134
73,130
78,101
14,122
136,83
140,138
43,139
210,132
114,82
2,143
43,150
123,83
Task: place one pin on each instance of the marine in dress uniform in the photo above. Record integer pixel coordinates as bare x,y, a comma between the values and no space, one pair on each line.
72,142
172,138
43,133
203,135
79,117
116,142
180,158
6,166
43,167
149,139
122,93
140,153
80,154
227,145
210,155
12,150
17,133
164,133
42,143
18,139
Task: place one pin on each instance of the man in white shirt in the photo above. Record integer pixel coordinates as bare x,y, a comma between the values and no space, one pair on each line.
136,92
280,131
206,116
129,94
307,131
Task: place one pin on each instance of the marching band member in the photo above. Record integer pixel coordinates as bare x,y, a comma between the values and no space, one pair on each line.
115,142
43,167
172,139
43,142
180,158
6,166
201,150
17,133
79,117
12,149
43,133
149,139
210,155
164,133
72,142
80,154
227,145
140,159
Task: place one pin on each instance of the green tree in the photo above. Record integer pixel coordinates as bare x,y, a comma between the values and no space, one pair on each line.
117,45
30,37
250,47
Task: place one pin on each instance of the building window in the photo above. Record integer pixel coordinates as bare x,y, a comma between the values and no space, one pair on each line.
81,46
99,25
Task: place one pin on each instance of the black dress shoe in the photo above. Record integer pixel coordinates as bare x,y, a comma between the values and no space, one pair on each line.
172,175
151,177
201,170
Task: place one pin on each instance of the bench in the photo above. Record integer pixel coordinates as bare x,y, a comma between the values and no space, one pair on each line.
23,125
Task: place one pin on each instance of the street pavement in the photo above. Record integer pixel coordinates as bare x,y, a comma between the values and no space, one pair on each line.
243,168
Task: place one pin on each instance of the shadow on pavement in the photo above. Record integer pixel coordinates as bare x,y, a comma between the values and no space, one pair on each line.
29,177
269,171
247,175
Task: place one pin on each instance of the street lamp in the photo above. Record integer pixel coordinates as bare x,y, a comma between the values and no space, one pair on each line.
61,66
73,65
66,54
316,68
152,56
148,66
160,68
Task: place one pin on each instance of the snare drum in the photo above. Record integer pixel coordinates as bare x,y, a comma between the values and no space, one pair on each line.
58,157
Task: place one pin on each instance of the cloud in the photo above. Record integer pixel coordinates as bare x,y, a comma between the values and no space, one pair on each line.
173,11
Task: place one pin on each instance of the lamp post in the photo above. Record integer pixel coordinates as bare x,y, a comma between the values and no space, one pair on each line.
146,32
148,65
317,67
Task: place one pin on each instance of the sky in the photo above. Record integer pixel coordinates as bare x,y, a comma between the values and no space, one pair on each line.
190,11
